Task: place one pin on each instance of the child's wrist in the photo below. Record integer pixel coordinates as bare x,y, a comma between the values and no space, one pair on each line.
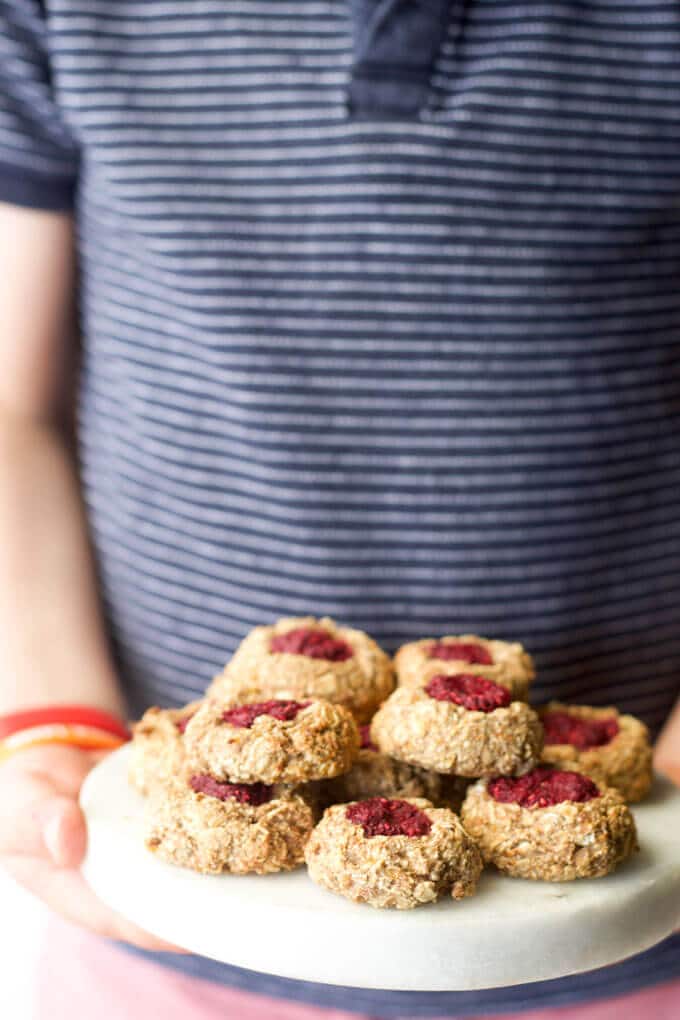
79,726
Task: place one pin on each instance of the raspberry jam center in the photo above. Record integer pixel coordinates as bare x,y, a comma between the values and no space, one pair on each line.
245,715
312,642
563,728
366,742
543,787
380,816
245,793
473,692
461,651
182,723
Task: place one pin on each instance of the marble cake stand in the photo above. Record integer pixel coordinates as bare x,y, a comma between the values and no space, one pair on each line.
511,932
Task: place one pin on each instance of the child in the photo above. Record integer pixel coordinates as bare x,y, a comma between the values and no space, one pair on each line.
379,312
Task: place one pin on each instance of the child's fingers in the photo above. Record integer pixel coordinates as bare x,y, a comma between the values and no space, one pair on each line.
43,838
64,832
36,821
66,892
39,812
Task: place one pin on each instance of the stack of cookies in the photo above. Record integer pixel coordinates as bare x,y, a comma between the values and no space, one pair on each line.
234,781
416,786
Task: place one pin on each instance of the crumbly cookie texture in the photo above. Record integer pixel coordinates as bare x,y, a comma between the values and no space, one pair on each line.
374,774
415,728
319,741
397,870
558,843
360,682
624,763
509,663
157,750
209,835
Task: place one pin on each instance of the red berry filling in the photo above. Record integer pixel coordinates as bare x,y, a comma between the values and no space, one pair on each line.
563,728
379,816
461,651
366,742
182,724
245,793
312,642
543,787
473,692
245,715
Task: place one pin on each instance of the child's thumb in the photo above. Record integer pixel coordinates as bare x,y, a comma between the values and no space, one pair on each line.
63,831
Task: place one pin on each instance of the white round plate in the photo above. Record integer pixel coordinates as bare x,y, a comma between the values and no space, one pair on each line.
511,932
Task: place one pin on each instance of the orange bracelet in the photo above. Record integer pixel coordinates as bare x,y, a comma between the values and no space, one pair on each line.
87,738
69,725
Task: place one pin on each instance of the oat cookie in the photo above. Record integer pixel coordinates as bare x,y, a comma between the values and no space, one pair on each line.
393,853
302,657
505,663
374,774
551,824
463,725
614,749
275,741
197,822
157,749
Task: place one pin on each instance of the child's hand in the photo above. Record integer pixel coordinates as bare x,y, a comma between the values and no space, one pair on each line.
667,750
43,838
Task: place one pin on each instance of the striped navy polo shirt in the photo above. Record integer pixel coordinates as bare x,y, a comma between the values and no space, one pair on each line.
380,308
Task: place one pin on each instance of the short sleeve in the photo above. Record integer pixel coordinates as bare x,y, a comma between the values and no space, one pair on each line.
38,157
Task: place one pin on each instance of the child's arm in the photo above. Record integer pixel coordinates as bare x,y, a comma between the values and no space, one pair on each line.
52,640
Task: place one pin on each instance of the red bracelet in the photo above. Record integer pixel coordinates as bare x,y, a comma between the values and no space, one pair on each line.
69,715
89,729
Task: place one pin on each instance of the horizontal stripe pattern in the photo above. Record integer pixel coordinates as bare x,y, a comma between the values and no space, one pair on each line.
422,375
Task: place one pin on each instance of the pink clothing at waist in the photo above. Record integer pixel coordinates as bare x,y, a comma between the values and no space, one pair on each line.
82,976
